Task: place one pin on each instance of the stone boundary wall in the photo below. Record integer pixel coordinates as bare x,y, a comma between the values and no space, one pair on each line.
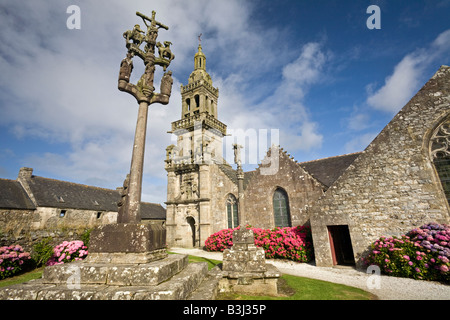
27,227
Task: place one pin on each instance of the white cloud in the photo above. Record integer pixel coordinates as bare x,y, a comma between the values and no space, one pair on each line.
359,121
407,76
360,142
60,85
400,86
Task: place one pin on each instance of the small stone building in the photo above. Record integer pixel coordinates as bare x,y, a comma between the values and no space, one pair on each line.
399,182
33,207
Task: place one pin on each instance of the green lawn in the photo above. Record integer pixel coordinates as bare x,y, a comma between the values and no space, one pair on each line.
299,288
21,278
290,287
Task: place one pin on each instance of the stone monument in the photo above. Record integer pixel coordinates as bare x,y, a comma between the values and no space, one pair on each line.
244,265
126,260
128,240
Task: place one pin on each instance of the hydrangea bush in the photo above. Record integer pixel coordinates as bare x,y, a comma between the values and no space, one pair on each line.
292,243
12,260
423,253
68,252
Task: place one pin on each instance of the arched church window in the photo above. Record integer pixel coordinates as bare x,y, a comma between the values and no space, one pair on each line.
281,208
232,211
440,154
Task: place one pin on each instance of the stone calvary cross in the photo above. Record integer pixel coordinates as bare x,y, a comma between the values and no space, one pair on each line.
129,239
145,94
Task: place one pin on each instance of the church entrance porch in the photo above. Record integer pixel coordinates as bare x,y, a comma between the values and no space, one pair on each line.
341,245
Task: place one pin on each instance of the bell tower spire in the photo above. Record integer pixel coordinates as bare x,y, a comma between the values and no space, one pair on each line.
199,96
199,131
200,58
190,164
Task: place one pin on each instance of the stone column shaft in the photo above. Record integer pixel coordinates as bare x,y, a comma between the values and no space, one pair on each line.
137,166
240,177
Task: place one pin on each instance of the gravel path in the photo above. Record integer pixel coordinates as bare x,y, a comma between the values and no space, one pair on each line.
384,287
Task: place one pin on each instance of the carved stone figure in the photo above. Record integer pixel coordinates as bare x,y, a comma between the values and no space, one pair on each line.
136,36
166,83
126,67
122,204
237,154
165,52
145,84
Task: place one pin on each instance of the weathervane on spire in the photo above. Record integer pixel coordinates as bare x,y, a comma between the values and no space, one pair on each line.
200,39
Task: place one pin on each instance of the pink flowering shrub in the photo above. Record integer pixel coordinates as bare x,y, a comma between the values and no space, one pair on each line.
68,252
293,243
423,253
12,260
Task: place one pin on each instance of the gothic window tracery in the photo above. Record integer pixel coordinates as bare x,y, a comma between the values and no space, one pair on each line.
232,211
440,155
281,208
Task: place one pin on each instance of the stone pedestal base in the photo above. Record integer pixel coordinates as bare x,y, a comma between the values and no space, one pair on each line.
127,238
251,282
126,258
172,278
250,260
245,269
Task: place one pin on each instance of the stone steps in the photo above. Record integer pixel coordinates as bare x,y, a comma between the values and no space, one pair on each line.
209,288
147,274
57,283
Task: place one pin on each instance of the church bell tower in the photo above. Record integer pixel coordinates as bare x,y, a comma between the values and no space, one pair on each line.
188,163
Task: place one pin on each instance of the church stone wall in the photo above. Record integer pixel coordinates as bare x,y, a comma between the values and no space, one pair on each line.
222,186
301,188
392,186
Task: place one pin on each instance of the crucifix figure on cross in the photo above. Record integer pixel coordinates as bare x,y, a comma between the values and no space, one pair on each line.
237,154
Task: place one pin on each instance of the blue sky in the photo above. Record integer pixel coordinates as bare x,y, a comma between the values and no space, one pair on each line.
310,69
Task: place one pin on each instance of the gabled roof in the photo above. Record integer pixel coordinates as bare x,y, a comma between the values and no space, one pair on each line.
328,170
13,196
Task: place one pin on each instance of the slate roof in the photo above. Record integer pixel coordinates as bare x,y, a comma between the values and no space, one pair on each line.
67,195
152,211
328,170
63,194
13,196
232,174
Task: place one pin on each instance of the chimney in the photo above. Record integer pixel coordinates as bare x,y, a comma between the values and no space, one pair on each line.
24,179
25,174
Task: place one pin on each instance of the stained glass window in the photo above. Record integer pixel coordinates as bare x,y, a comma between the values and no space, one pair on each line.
281,208
232,212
